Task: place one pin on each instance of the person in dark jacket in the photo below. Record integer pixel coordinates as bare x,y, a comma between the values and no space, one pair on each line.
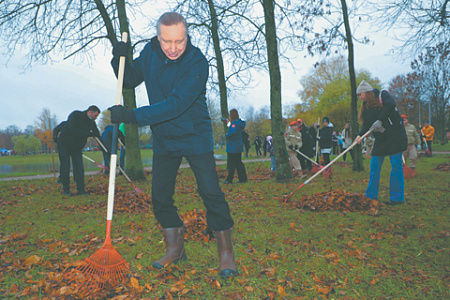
57,131
246,141
307,147
325,139
378,111
175,75
235,147
258,145
107,136
73,137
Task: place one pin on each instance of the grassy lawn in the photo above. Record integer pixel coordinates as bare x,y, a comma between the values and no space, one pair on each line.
282,251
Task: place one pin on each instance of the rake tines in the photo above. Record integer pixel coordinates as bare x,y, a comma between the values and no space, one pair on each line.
106,266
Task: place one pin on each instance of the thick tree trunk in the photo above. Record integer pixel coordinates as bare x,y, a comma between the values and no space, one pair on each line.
357,153
282,165
220,68
133,161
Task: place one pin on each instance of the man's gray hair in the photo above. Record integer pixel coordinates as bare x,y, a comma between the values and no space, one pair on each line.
168,19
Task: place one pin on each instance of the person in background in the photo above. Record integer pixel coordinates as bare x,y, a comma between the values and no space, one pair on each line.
347,140
325,140
265,146
271,152
428,132
379,113
107,136
340,142
175,74
334,141
122,142
79,127
246,141
258,145
293,141
306,148
235,147
313,130
413,140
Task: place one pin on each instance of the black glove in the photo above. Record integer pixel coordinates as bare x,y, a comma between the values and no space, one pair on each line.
120,114
296,147
291,147
121,49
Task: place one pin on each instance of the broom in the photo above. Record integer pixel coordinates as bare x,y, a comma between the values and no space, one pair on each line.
106,265
326,167
313,161
408,172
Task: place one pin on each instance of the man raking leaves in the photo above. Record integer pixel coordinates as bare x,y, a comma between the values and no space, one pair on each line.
175,74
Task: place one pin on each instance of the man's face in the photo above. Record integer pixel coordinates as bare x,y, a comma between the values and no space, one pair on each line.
92,115
173,40
405,122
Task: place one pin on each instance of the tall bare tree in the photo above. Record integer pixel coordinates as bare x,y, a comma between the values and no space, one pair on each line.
283,168
421,23
434,68
73,29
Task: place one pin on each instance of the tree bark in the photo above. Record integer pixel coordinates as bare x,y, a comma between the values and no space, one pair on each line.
357,153
220,67
282,165
133,165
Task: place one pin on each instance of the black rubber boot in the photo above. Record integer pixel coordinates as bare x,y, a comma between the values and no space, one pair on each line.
228,266
174,239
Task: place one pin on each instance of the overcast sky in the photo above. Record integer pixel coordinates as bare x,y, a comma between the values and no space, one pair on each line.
66,85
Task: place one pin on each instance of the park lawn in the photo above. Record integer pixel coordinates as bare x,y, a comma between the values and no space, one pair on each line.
283,252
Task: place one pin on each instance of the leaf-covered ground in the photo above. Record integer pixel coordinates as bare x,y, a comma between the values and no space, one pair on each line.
327,242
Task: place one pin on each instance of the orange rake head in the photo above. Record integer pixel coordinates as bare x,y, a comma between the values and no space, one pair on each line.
104,266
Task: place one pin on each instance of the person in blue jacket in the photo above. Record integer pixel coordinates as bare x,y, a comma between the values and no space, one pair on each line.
378,111
175,74
107,136
235,147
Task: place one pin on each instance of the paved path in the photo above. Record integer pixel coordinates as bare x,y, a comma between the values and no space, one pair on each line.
218,162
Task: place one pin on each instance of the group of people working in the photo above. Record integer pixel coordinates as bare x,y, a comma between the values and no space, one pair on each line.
175,74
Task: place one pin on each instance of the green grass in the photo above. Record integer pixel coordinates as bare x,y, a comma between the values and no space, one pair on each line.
282,253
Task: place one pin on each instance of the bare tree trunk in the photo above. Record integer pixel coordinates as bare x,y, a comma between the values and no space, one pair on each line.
220,68
133,165
283,168
357,153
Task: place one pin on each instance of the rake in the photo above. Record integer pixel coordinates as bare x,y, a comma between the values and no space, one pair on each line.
408,172
326,167
318,166
138,190
106,265
98,165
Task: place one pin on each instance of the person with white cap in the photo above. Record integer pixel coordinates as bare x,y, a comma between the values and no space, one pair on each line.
378,112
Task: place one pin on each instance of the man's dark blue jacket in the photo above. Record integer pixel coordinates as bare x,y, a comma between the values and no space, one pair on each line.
176,89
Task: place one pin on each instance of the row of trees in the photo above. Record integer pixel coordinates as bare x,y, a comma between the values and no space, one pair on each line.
237,36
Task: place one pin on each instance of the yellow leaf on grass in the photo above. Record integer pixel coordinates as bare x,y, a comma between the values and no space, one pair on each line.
373,282
134,283
32,260
281,291
248,288
139,256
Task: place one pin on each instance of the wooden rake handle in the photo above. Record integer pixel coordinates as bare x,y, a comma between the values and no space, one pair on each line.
112,167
